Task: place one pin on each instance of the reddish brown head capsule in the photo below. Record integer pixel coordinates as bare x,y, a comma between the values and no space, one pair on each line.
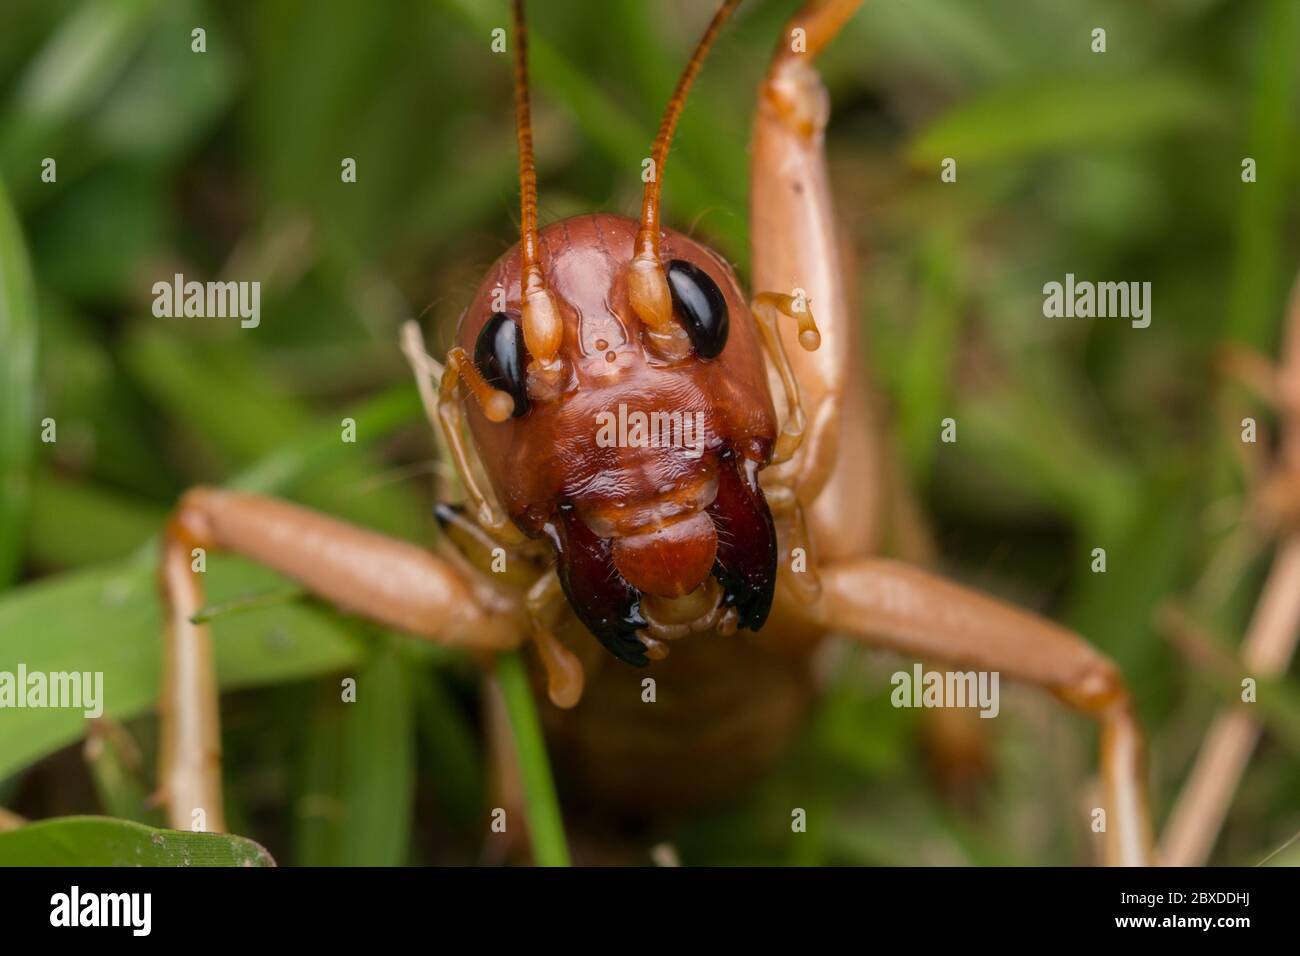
642,471
640,413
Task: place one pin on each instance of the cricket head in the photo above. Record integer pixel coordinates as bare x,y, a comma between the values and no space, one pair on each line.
621,408
639,467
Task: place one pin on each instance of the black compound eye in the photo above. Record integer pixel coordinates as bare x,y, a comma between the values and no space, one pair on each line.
501,356
699,302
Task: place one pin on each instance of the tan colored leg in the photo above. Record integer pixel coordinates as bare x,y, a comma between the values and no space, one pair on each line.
1270,642
445,413
564,675
788,510
189,746
1202,806
767,309
888,604
392,582
796,246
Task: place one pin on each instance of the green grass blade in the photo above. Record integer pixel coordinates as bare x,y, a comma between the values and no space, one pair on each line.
75,523
355,801
379,766
18,426
218,392
243,603
115,767
104,841
449,746
1053,114
925,373
1259,261
107,619
545,826
89,50
321,449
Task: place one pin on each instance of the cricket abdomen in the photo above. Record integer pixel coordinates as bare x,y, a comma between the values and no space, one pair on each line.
721,710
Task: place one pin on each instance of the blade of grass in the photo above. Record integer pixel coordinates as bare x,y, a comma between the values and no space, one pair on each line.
107,619
450,748
1024,441
925,377
321,450
218,391
115,766
89,50
1258,276
378,786
103,841
1046,115
74,523
355,801
18,426
318,813
545,826
249,602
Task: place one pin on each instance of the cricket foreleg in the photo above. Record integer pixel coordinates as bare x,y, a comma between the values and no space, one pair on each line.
392,582
796,248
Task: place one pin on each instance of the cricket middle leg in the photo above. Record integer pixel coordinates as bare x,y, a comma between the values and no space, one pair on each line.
796,250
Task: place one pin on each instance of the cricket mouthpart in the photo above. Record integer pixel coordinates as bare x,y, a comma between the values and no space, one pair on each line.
634,591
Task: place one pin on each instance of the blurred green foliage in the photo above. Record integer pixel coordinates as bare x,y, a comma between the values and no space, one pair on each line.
1073,434
96,841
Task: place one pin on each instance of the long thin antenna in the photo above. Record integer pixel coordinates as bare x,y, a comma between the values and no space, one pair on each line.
527,164
647,285
543,327
664,139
